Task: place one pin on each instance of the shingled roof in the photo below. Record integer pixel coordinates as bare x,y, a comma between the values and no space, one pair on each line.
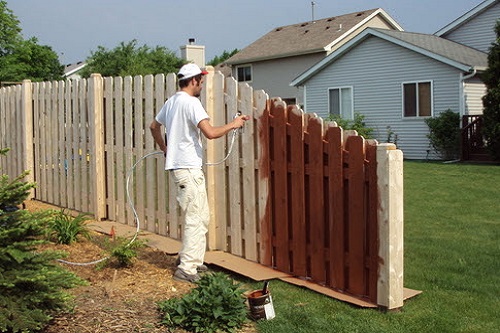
307,37
438,46
454,54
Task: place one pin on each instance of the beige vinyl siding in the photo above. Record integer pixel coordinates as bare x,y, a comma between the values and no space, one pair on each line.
474,90
376,22
274,76
376,70
479,32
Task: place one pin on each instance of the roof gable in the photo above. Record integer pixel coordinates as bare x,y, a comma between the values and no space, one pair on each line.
308,37
474,12
454,54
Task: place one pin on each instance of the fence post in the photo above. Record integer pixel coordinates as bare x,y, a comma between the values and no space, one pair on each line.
27,123
390,217
96,123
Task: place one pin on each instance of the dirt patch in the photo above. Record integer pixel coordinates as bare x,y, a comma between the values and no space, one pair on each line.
118,299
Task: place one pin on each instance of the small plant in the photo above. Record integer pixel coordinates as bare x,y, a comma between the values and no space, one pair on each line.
215,305
444,135
123,251
392,137
358,124
65,229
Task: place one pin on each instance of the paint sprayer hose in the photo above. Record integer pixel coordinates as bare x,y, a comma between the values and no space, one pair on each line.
132,205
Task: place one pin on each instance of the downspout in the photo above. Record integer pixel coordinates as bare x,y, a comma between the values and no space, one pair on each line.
462,103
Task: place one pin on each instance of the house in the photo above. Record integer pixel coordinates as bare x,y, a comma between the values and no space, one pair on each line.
275,59
396,80
71,71
476,27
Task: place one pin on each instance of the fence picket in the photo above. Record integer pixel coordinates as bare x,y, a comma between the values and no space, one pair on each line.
336,207
109,148
315,198
278,155
356,218
249,213
297,190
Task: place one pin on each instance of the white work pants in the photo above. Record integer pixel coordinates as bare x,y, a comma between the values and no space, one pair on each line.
192,197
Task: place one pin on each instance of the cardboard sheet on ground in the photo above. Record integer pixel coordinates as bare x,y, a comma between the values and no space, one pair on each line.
235,264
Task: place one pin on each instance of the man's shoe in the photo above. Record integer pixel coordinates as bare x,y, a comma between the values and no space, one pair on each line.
182,276
201,268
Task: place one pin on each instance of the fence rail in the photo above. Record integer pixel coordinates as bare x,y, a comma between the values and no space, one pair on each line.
297,194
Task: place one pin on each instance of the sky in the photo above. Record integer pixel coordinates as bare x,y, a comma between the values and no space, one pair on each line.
75,28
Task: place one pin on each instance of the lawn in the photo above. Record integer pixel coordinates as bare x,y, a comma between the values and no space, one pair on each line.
452,251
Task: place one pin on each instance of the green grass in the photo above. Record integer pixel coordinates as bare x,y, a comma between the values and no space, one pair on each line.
452,254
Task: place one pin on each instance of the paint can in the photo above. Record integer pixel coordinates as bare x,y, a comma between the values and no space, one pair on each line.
261,305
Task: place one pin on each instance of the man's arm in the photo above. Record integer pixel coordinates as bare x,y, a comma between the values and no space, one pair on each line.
212,132
157,134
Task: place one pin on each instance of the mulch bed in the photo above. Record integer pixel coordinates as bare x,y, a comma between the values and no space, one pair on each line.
118,299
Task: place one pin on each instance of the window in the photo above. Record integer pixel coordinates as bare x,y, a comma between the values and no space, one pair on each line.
244,73
340,102
417,99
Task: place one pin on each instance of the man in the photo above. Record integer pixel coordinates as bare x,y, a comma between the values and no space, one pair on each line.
184,118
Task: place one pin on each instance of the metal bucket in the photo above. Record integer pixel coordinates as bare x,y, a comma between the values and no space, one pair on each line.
261,305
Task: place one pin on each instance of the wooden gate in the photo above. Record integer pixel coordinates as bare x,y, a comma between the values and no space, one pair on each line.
323,211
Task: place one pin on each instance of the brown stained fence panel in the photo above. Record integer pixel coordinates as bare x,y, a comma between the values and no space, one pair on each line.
323,194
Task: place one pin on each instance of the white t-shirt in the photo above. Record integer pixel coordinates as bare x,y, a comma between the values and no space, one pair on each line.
181,115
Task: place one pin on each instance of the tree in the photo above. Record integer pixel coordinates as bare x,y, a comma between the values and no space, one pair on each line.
10,32
491,101
223,57
24,59
31,283
130,59
31,61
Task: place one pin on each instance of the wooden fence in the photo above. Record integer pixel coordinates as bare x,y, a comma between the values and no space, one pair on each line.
296,194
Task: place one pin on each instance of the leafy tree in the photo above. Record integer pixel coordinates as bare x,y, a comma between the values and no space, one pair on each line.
491,101
31,283
130,59
223,57
10,32
31,61
24,59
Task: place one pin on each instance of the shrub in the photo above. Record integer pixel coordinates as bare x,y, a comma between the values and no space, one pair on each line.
215,305
358,124
31,283
444,134
63,228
